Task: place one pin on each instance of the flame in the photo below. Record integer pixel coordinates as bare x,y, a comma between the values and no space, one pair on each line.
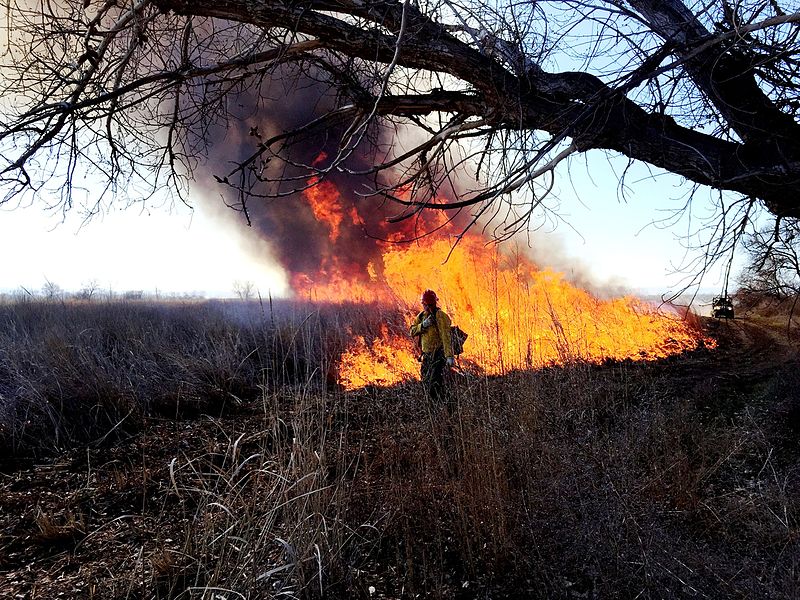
338,280
517,315
386,360
326,203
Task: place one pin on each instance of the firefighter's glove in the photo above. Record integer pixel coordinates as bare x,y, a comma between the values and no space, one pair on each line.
427,322
450,361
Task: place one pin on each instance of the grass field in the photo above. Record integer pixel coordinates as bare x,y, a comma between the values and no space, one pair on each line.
203,450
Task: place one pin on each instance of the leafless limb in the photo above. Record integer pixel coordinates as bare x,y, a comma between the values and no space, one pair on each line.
132,93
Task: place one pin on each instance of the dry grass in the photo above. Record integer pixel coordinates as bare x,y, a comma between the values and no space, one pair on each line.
77,373
623,480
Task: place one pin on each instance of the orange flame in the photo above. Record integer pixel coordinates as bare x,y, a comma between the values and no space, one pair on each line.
387,360
337,281
326,204
517,315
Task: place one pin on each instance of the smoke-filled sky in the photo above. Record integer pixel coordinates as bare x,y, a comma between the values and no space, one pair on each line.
600,241
207,250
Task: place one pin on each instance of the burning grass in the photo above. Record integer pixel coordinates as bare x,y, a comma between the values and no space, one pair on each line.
517,316
626,479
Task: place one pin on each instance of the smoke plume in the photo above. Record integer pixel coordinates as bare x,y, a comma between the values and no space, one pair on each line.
335,228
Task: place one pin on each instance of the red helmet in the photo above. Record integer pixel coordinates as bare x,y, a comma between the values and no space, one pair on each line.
429,297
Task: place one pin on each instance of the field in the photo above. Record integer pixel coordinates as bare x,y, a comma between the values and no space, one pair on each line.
204,450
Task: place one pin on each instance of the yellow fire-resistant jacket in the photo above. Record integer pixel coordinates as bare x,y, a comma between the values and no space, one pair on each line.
434,336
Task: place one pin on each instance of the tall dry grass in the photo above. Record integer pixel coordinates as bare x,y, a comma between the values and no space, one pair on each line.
89,372
576,482
623,480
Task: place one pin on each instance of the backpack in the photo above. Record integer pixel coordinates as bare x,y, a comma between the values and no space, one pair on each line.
457,337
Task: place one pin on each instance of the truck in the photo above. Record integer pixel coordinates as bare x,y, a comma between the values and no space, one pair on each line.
722,307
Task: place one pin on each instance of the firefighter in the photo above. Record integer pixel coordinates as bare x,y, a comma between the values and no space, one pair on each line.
432,326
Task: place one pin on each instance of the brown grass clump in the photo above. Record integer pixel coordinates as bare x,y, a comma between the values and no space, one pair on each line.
65,529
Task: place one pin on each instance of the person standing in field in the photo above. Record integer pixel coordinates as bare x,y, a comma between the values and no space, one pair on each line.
432,326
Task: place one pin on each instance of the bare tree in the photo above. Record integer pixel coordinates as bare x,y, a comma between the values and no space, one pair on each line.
497,94
773,270
89,289
244,290
52,291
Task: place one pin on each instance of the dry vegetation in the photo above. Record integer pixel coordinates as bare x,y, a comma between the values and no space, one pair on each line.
201,451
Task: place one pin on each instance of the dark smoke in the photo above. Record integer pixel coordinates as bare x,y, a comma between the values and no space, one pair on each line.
299,242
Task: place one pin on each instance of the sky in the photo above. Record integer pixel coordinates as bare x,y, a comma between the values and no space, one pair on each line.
601,239
176,251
